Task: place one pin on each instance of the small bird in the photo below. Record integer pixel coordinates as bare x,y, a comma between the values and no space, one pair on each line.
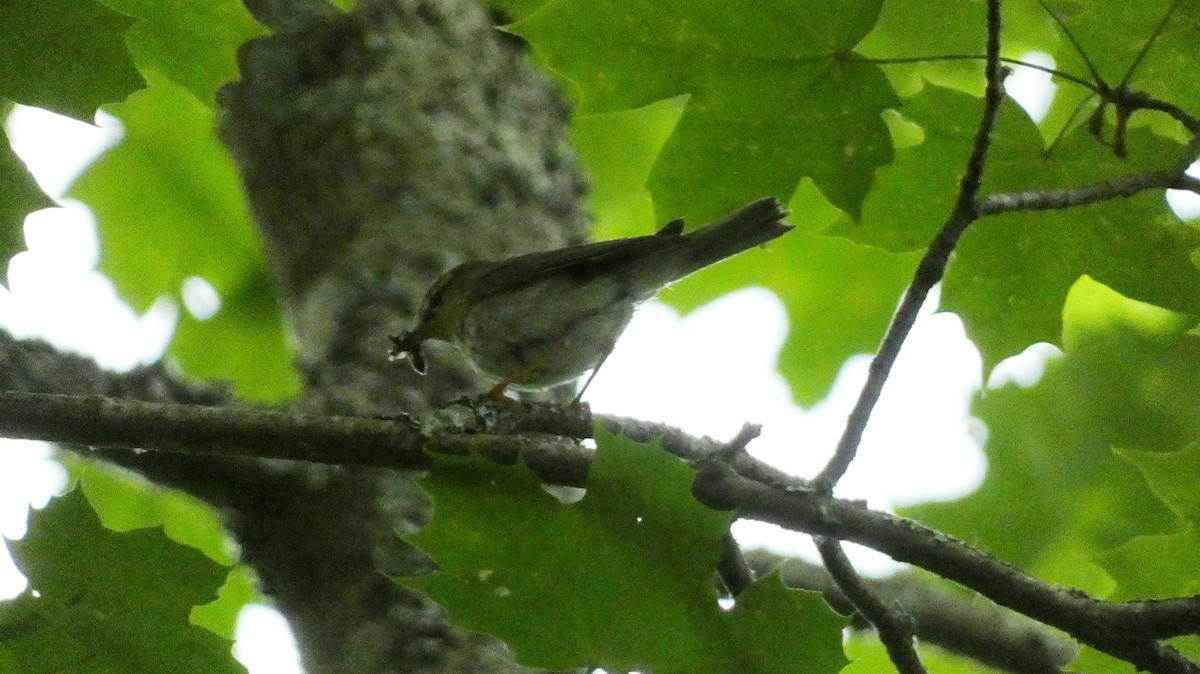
542,319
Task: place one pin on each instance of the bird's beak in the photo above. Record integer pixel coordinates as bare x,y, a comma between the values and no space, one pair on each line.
408,345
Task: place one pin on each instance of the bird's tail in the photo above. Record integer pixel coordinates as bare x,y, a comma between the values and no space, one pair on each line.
749,226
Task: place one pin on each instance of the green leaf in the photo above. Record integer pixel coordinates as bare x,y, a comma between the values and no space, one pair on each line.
68,56
192,42
517,9
124,501
1150,566
839,298
169,206
1054,490
619,201
913,29
791,629
101,601
775,93
1168,565
1093,309
1168,475
870,657
915,195
1166,71
221,615
1155,567
19,196
1163,566
244,343
1011,273
623,579
168,201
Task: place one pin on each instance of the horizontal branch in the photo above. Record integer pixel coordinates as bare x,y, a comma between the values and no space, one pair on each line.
516,432
1105,190
99,421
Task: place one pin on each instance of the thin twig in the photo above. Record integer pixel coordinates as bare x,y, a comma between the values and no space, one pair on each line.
1103,86
700,450
894,630
929,271
893,625
1105,190
983,57
733,570
993,98
1137,60
1147,102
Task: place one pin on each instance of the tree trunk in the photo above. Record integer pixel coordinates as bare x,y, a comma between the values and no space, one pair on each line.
378,147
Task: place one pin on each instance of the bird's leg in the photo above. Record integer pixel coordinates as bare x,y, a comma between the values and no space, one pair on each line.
497,391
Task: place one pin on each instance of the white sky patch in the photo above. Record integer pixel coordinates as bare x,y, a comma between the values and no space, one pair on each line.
57,148
1032,89
1024,369
200,298
55,293
264,643
1186,204
27,477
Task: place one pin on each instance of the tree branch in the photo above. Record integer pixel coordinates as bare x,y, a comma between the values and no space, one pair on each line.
895,630
1146,102
929,271
1156,618
732,568
210,431
892,624
1105,190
